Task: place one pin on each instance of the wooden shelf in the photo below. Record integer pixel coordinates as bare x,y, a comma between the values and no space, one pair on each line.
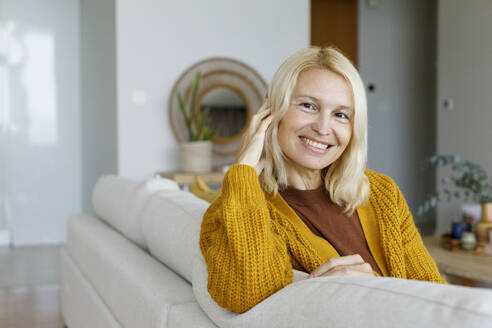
467,266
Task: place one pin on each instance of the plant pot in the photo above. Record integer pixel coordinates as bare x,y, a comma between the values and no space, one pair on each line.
196,156
485,223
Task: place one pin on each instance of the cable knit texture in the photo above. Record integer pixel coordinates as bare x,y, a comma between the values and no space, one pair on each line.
251,243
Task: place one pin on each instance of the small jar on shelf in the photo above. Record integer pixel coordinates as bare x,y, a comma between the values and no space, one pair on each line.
468,241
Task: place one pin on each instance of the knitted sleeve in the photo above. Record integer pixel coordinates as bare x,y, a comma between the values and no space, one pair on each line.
419,264
246,260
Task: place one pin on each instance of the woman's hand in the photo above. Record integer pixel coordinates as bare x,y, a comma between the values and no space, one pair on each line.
351,265
252,144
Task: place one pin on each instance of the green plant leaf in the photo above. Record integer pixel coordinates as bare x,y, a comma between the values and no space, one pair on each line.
196,124
203,123
207,133
194,90
187,118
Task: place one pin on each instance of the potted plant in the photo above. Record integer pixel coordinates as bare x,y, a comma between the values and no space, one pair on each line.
468,181
196,154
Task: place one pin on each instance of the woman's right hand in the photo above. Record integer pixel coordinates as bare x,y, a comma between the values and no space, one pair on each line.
252,143
351,265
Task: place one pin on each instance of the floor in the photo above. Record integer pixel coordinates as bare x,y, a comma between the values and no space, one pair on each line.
29,289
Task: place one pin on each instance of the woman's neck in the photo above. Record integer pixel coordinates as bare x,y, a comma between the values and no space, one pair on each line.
302,178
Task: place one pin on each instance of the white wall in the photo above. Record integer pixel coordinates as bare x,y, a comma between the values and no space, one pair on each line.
397,55
98,90
465,76
40,118
158,40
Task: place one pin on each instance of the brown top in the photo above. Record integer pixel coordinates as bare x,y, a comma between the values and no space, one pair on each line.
326,220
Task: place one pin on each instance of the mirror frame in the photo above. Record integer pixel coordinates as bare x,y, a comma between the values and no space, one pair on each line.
223,140
230,73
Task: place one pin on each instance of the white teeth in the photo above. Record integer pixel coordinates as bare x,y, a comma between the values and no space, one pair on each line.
314,143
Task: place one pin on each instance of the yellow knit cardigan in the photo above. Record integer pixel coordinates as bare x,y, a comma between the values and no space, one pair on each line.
251,240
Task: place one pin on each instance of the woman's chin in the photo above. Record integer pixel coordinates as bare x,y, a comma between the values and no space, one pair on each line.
312,165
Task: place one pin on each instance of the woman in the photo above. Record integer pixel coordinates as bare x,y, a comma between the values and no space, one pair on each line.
299,196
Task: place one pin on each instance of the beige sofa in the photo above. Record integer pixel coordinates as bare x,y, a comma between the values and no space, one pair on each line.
137,264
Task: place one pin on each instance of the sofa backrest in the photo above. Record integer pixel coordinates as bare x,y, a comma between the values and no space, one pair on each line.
350,301
154,214
171,225
120,202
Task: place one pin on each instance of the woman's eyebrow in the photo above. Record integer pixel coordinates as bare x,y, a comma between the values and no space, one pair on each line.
350,109
341,107
306,96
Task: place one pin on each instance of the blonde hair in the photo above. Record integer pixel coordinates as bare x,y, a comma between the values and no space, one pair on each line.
344,179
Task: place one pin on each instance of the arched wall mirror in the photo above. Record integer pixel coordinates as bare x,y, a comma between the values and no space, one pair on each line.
228,111
231,90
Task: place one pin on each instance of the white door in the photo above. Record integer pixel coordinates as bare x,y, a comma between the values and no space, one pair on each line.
464,126
40,133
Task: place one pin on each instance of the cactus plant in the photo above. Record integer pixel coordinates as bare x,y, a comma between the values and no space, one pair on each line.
197,124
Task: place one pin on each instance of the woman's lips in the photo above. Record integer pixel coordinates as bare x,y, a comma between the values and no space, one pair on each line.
315,145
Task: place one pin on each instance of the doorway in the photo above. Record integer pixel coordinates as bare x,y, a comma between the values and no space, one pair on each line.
335,22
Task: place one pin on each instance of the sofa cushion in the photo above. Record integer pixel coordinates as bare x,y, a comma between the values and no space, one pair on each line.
80,303
137,289
189,315
171,225
120,202
343,301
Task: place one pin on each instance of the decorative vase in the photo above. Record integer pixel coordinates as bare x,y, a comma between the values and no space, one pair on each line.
468,241
485,223
196,156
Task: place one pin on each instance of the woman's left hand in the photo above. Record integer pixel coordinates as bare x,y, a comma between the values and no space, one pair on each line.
351,265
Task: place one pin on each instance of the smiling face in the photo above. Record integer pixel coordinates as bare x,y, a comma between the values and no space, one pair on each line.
317,127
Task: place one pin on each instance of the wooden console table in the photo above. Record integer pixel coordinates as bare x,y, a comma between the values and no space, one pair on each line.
185,178
471,269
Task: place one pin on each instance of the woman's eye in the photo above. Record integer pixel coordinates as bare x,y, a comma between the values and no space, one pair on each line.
308,106
342,115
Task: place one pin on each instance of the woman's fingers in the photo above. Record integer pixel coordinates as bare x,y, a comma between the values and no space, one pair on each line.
252,144
351,265
263,112
349,270
334,262
266,123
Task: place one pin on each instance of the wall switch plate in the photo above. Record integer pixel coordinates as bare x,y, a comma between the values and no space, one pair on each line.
139,97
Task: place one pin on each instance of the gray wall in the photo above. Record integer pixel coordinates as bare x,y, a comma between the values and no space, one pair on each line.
98,91
465,76
397,55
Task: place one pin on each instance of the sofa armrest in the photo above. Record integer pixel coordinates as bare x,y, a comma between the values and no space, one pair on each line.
354,302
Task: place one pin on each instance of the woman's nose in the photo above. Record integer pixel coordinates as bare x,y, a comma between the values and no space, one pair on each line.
323,125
